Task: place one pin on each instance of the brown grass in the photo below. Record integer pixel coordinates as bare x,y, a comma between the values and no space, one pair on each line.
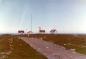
20,50
72,41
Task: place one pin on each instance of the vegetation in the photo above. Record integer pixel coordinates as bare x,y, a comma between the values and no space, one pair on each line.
19,49
69,41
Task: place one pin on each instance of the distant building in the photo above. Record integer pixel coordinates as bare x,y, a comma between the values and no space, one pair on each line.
20,31
53,31
41,31
29,32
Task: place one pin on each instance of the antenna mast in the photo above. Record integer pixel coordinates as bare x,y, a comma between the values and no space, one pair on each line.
31,22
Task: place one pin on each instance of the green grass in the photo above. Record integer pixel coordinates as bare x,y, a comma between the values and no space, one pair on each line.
21,50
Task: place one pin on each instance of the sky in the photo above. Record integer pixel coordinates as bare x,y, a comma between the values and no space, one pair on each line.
67,16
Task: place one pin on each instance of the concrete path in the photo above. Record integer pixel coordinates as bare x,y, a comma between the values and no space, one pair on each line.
51,50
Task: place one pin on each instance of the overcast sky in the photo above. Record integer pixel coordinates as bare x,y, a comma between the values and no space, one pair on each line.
67,16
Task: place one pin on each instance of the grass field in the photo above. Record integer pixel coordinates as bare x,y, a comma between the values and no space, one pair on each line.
69,41
13,48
